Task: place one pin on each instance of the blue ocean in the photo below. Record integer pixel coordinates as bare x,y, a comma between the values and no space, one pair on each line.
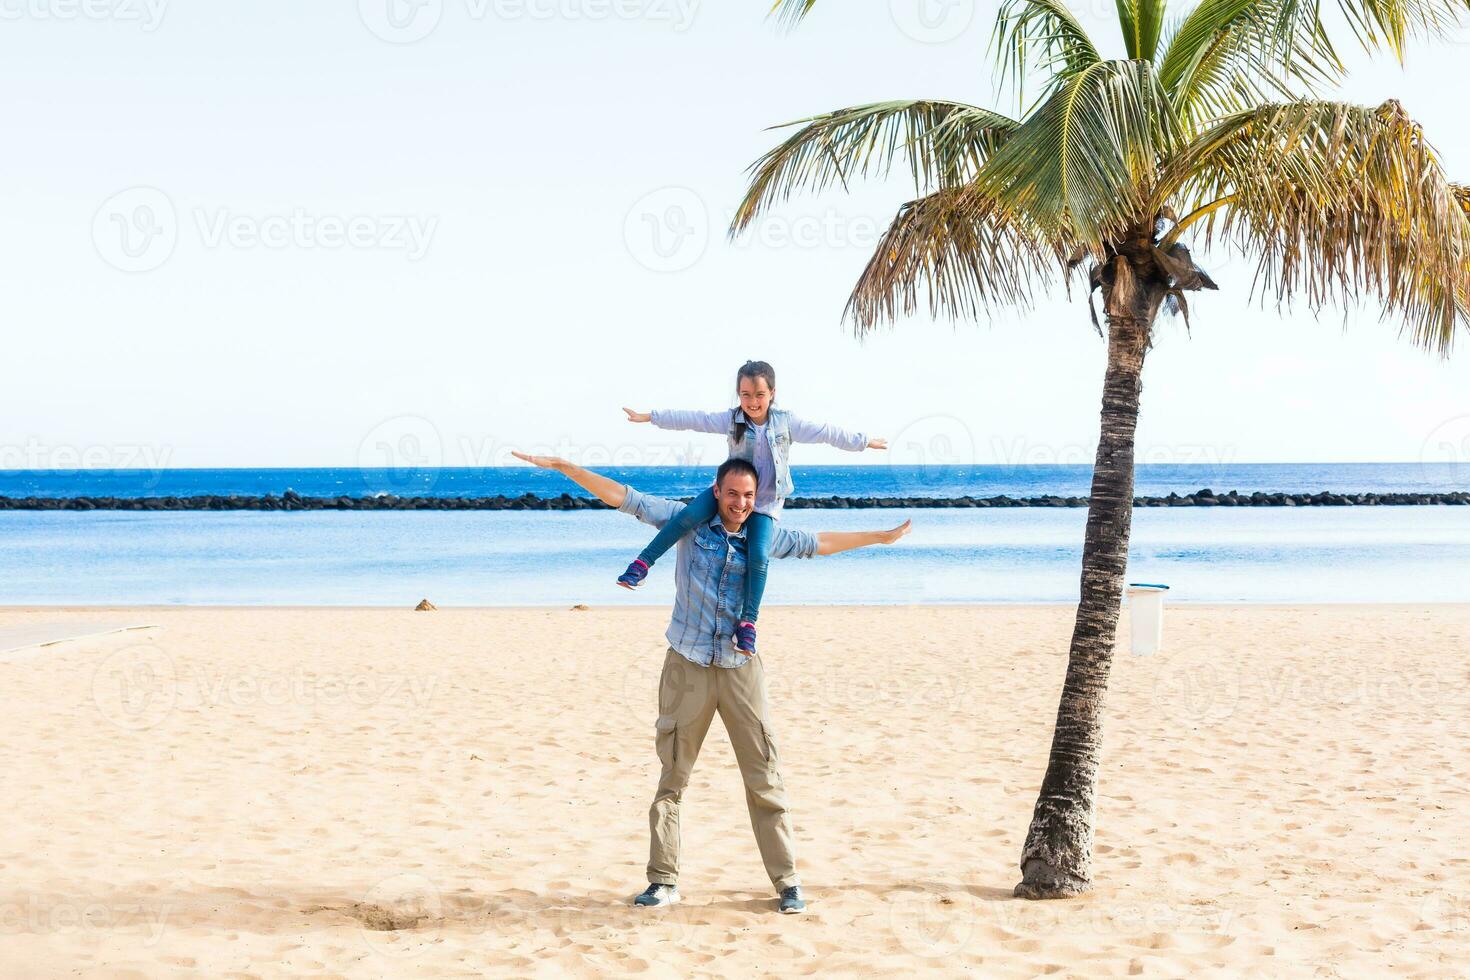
496,558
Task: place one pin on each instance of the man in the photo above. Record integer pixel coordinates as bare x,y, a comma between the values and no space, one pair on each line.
703,673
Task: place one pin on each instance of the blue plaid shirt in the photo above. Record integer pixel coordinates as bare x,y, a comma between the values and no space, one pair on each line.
709,579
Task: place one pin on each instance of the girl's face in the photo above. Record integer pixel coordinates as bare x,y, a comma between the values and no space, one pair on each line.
755,398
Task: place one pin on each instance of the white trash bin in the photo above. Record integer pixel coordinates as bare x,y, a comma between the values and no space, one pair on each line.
1146,617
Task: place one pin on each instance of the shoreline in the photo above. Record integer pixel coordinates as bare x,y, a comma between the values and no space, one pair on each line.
292,501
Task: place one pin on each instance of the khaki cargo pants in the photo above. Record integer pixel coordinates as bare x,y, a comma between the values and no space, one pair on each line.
688,697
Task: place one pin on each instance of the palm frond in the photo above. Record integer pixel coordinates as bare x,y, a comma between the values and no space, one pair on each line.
1390,23
955,251
1040,36
1336,200
944,143
1141,21
1081,166
791,12
1225,55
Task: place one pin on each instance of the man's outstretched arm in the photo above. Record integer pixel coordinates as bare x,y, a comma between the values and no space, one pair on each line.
610,492
833,542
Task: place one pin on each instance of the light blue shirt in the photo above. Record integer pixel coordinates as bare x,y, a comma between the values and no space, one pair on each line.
709,579
769,499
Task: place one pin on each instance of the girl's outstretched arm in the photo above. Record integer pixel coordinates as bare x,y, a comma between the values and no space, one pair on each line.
853,442
715,422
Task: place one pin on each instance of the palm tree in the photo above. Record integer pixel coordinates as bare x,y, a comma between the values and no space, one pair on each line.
1213,125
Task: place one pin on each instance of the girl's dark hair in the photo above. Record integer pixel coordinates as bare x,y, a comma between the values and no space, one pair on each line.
751,370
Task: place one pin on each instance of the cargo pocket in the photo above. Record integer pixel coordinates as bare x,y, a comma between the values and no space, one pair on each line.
768,746
664,740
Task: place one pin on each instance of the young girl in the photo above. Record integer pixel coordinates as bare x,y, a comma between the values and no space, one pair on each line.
763,434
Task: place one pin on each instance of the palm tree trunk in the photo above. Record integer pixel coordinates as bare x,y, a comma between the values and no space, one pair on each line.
1057,859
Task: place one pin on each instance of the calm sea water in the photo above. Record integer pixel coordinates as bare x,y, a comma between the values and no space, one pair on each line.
811,481
1411,554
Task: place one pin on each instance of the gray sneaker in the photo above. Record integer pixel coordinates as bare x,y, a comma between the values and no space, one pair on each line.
791,900
657,896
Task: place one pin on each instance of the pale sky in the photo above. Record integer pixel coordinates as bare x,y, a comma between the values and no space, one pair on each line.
276,233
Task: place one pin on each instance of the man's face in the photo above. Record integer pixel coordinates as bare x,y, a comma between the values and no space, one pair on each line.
735,497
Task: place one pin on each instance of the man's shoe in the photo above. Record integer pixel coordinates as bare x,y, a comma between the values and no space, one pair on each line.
635,574
744,639
791,900
657,896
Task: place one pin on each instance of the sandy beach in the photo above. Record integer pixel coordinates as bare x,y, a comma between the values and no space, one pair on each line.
263,792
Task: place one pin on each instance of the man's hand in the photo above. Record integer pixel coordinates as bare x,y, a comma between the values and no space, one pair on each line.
545,462
608,491
637,416
877,443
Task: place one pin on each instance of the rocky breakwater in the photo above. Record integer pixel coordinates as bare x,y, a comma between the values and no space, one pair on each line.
292,501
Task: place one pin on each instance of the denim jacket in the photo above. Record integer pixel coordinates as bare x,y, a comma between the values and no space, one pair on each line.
782,429
709,579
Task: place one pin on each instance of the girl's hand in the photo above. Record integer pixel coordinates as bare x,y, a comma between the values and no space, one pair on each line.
637,416
877,443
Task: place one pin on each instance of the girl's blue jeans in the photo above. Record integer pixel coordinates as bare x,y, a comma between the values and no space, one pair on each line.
759,529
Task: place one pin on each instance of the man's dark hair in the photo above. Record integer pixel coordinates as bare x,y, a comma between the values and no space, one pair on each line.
735,466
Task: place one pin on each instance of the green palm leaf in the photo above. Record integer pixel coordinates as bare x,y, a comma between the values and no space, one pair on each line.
1225,55
1079,167
1040,36
1336,200
945,143
791,11
954,251
1141,21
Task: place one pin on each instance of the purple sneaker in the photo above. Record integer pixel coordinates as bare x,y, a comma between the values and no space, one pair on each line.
744,638
635,574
